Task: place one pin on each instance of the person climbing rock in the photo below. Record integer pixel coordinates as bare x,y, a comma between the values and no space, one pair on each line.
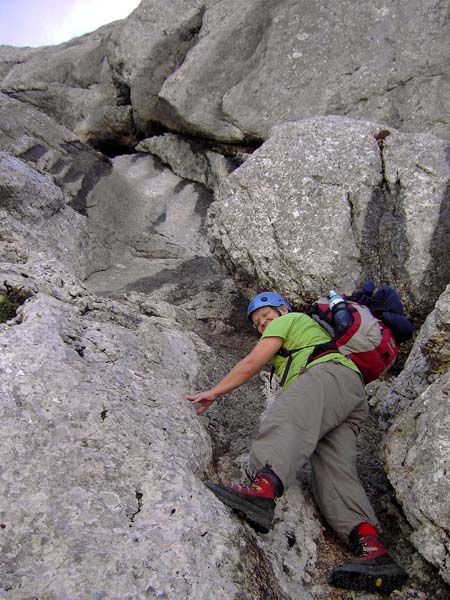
316,418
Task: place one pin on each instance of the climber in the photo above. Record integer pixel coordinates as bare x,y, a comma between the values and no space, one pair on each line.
317,418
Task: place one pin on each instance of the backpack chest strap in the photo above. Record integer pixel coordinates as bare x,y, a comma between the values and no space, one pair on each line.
318,351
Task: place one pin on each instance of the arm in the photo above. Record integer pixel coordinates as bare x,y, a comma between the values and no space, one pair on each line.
244,370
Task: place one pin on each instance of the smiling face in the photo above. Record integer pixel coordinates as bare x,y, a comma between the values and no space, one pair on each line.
261,317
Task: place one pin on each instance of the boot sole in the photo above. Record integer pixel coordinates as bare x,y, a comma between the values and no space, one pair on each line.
259,517
370,579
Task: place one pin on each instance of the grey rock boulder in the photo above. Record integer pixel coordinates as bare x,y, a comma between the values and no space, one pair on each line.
74,84
188,159
103,460
230,72
150,45
35,222
102,487
329,202
416,450
32,135
267,63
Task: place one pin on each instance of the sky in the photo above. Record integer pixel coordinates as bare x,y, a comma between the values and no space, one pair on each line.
46,22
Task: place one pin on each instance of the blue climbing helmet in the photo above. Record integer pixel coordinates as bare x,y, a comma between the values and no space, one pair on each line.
267,299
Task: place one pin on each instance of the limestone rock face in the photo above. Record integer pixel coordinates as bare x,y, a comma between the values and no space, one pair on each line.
33,136
75,84
331,201
150,45
103,460
265,63
188,159
230,71
120,265
363,61
147,231
35,221
417,446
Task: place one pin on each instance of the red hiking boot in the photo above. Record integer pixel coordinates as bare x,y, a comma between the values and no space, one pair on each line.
372,569
256,501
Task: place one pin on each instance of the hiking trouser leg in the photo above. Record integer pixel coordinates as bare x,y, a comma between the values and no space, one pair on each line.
337,489
320,399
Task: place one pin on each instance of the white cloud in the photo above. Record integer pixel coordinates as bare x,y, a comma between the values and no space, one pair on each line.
87,15
44,22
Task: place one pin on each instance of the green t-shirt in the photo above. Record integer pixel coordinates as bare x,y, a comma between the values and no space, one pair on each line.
300,331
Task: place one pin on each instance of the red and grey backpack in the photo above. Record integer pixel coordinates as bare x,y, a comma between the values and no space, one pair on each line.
372,341
368,342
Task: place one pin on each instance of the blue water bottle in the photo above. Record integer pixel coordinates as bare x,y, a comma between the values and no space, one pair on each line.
342,317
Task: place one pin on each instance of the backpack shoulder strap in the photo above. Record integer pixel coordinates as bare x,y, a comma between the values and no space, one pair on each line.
319,349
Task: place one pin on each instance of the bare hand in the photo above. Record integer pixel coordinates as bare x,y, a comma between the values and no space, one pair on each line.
204,400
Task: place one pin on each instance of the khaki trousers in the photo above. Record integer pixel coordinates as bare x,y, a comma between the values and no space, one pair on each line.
317,418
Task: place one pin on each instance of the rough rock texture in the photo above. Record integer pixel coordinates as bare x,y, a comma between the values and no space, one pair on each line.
148,235
102,458
417,447
33,136
102,461
34,218
230,71
152,43
331,201
361,60
75,84
189,159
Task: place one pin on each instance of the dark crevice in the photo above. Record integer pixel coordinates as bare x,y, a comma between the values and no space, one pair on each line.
200,142
264,581
231,150
437,277
291,539
138,496
112,148
10,300
123,90
380,137
384,242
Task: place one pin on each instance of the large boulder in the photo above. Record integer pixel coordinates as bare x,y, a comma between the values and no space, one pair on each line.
230,71
256,65
35,222
417,447
32,135
152,43
103,460
75,84
330,201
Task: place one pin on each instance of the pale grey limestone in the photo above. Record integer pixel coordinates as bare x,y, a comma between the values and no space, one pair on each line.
230,71
417,446
188,159
328,202
30,134
103,461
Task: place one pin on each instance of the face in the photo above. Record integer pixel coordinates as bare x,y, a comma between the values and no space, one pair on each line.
261,317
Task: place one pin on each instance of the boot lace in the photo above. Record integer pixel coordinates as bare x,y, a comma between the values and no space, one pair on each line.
365,545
